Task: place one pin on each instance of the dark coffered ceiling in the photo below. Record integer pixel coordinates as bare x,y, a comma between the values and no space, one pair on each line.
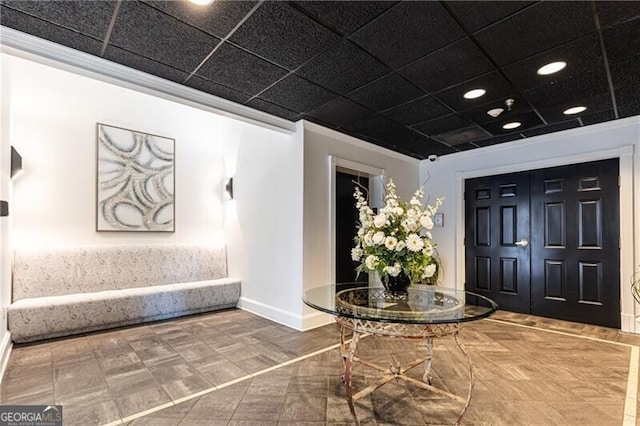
392,73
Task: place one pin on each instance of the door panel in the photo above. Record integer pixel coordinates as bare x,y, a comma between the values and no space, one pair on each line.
575,260
497,217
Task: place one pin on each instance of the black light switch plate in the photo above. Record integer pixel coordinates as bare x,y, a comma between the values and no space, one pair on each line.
4,208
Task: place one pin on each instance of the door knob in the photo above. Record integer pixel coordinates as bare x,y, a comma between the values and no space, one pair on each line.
522,243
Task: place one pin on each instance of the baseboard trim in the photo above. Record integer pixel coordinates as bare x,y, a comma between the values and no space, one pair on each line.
629,323
5,352
272,313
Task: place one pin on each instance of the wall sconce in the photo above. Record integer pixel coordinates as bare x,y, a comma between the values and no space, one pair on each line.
228,189
16,162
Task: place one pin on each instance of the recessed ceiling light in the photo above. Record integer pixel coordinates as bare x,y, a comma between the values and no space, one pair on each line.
512,125
575,110
551,68
202,2
475,93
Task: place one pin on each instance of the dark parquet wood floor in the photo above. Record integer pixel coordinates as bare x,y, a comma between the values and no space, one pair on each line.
234,368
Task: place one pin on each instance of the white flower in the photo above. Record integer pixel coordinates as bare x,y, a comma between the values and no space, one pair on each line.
361,232
411,213
371,261
428,235
415,201
390,242
378,238
400,245
380,220
414,243
356,254
394,270
368,240
429,271
428,249
426,221
398,211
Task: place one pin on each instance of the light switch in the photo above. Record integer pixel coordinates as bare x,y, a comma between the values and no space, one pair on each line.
438,220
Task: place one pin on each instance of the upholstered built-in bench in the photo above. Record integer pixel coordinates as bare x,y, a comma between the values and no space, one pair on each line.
62,291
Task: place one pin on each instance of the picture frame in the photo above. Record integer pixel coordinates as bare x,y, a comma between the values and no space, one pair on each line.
135,181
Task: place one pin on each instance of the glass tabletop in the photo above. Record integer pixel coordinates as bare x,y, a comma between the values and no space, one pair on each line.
422,304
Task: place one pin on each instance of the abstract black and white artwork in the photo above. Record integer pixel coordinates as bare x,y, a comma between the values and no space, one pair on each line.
135,181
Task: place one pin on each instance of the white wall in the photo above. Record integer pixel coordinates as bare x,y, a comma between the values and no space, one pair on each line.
606,140
5,252
53,124
319,144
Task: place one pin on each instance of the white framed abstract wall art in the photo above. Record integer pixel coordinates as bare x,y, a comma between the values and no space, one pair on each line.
136,179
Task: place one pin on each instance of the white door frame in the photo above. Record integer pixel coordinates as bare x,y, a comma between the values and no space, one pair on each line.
625,155
336,163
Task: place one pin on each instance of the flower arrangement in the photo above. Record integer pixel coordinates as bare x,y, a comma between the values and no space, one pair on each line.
398,239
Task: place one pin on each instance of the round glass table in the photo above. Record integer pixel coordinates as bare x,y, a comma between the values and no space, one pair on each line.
423,312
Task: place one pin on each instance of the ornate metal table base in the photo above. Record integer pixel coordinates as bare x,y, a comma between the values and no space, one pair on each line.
358,327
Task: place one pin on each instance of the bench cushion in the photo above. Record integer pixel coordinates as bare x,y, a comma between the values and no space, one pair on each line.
53,316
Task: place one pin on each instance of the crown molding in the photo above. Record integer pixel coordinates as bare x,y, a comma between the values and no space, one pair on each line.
35,49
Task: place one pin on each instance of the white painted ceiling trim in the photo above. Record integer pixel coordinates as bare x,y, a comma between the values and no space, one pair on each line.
35,49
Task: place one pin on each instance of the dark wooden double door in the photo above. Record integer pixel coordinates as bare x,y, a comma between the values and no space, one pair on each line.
546,242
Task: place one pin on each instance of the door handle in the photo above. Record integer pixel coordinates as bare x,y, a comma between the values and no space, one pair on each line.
522,243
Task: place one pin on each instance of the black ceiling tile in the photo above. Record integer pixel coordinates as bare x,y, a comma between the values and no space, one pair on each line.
465,146
536,29
627,100
622,41
240,70
528,120
420,146
297,94
569,90
582,55
629,110
216,89
343,68
148,32
408,31
475,15
418,111
495,85
39,28
218,18
284,35
597,117
498,139
556,127
430,146
377,127
461,136
87,17
614,12
344,17
448,66
442,124
386,92
270,108
595,103
340,111
141,63
479,114
626,73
